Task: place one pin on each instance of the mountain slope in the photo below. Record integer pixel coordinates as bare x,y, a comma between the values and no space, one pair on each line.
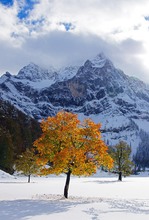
17,131
96,89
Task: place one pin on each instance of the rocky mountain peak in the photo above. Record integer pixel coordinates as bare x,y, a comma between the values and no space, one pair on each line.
34,73
7,74
101,70
100,61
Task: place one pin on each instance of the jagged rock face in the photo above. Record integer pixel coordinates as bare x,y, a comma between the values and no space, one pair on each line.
34,73
96,89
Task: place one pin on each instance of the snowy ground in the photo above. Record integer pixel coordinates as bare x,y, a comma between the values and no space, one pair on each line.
96,198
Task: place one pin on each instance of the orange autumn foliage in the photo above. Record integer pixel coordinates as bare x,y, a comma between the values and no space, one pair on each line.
69,144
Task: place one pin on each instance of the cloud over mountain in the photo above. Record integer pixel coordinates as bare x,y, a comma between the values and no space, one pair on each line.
61,32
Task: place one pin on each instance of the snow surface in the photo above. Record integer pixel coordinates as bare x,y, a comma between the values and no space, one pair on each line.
67,72
100,197
113,122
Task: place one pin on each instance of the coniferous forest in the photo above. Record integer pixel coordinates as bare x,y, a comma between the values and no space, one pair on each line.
17,132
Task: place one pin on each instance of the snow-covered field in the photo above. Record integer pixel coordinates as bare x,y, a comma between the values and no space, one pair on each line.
97,198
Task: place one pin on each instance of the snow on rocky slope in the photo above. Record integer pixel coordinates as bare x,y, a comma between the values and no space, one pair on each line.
96,89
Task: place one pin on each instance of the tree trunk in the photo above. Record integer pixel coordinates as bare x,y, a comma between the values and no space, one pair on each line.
120,176
67,184
29,178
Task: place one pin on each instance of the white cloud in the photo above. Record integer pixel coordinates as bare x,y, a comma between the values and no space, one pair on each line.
117,28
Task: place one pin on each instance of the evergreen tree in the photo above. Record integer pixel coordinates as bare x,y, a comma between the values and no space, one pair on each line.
121,156
141,158
6,151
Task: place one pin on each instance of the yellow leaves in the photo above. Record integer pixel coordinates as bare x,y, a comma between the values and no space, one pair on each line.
66,143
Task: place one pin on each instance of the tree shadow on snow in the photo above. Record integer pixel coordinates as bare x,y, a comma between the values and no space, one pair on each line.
102,181
21,209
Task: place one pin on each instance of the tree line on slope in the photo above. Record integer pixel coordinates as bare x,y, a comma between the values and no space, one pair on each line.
141,157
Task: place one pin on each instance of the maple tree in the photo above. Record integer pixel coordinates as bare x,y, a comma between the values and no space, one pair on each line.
121,155
26,163
70,146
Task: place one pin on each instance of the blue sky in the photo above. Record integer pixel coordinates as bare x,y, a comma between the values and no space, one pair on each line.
7,2
24,12
25,7
65,32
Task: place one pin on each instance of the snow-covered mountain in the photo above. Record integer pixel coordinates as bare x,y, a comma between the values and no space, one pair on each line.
96,89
